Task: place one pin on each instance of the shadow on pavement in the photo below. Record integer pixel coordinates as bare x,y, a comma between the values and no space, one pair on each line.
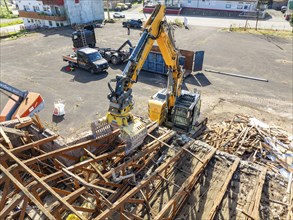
198,79
83,76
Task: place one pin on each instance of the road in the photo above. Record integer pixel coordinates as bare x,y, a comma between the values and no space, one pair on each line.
276,23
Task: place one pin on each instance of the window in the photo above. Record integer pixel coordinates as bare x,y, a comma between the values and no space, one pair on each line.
50,23
46,8
28,21
239,6
26,7
57,24
245,7
228,5
61,24
36,8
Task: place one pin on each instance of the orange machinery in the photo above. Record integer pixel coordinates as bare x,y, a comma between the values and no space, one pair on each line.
20,104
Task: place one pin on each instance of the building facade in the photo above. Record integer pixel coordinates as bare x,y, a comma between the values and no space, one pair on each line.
249,5
219,5
46,13
58,13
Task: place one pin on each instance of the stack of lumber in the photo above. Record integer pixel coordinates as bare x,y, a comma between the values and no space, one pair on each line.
253,140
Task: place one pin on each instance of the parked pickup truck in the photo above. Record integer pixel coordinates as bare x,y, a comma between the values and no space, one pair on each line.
135,23
87,58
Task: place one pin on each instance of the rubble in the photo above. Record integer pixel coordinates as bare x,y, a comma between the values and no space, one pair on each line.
92,177
253,140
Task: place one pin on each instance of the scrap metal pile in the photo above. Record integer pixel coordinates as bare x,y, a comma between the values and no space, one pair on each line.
253,140
92,177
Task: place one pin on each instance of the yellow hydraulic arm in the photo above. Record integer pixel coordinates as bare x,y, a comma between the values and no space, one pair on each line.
156,28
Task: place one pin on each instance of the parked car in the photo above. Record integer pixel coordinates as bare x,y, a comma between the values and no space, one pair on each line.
118,8
283,9
135,23
122,5
128,5
118,15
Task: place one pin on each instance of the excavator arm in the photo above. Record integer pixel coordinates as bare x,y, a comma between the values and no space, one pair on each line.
166,106
121,101
155,29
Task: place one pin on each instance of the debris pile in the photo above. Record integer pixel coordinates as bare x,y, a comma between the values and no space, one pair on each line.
93,177
253,140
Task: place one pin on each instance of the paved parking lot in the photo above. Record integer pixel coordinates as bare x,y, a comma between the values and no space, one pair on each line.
35,63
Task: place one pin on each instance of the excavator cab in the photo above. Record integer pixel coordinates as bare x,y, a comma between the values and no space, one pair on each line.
186,111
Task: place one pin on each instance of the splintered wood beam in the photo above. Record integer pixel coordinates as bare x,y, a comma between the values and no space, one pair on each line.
4,193
121,201
27,193
33,144
152,136
94,142
180,196
6,138
94,167
89,185
37,122
39,180
223,188
23,122
12,204
14,131
23,208
253,209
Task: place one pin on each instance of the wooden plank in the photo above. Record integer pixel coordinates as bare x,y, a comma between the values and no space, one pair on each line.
33,144
185,188
5,193
185,149
12,204
139,201
93,142
27,193
14,131
95,168
89,185
24,123
23,208
6,138
119,203
44,185
220,194
253,209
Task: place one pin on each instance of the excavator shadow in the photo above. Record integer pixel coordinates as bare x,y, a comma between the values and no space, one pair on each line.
83,76
198,79
153,79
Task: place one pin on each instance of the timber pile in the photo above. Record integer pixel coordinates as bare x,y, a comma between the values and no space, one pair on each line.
92,177
253,140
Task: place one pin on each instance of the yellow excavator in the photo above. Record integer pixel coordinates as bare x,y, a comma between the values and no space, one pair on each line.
172,106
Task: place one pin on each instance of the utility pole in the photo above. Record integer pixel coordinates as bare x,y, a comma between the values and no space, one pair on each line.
6,6
108,12
257,13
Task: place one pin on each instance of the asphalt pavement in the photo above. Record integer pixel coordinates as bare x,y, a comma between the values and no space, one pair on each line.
35,63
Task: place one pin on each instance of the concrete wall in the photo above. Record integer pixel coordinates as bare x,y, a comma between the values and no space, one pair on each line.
84,11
